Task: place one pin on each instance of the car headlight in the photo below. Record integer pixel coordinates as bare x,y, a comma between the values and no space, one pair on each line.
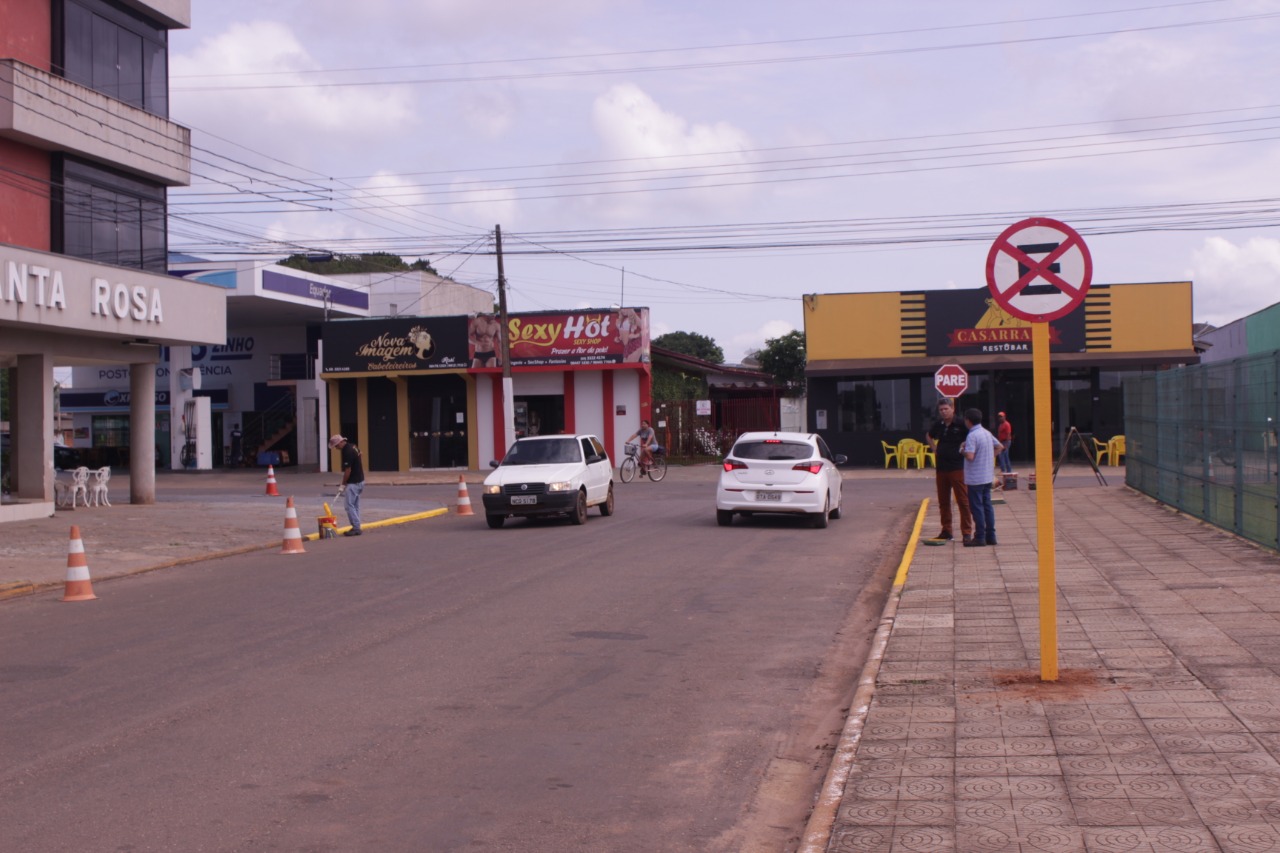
562,486
492,490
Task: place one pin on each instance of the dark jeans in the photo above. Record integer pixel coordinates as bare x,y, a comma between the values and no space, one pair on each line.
984,517
952,483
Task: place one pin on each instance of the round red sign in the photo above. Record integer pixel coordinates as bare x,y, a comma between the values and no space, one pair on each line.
1039,269
951,380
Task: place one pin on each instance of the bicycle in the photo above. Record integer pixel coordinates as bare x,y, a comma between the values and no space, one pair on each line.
656,467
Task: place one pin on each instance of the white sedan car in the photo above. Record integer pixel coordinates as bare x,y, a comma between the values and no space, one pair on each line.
550,475
784,472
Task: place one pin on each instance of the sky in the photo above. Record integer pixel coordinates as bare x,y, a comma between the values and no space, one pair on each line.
715,161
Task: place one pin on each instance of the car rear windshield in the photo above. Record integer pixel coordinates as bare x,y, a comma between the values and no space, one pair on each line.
775,451
544,452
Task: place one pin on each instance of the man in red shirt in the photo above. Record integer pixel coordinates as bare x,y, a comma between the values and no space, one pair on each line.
1004,434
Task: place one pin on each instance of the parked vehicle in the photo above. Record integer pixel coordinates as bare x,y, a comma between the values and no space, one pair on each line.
64,457
550,475
780,472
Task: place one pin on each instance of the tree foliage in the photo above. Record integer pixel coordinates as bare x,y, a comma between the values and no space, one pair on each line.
692,343
785,358
368,262
670,384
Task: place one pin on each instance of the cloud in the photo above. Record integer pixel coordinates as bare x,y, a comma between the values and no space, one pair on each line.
284,120
1232,280
740,344
631,125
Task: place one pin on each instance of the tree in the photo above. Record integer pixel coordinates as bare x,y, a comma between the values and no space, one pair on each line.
374,262
691,343
785,358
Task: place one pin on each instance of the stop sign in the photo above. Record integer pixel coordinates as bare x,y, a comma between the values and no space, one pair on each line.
951,380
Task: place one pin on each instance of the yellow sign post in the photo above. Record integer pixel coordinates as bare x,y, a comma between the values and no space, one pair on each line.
1039,269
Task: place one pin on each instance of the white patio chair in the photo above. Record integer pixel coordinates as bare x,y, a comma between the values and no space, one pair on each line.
98,491
79,485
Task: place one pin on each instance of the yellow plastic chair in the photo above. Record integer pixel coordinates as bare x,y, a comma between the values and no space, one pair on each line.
1102,451
927,455
890,453
909,451
1116,445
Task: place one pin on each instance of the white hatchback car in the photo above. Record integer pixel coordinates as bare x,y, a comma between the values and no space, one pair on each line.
550,475
780,472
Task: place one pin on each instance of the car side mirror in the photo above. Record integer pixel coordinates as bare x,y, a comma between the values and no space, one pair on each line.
493,463
841,459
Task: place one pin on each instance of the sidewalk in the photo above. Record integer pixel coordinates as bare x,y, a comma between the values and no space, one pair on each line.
1162,733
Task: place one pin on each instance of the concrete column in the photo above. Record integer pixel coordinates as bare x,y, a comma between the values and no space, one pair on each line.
31,455
142,433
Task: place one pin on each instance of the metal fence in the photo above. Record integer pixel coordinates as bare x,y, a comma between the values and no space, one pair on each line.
1203,439
691,437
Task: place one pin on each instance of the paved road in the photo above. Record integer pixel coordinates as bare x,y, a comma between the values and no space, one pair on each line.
647,682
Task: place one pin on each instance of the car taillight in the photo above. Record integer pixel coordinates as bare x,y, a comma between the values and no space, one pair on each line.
734,465
811,467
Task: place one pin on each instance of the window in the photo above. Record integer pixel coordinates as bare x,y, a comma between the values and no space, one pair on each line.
110,218
877,405
113,51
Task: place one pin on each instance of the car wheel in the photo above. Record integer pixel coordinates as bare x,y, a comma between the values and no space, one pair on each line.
820,518
606,508
835,513
495,521
723,517
580,509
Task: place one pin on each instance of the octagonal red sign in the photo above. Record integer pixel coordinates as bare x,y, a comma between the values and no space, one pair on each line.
951,380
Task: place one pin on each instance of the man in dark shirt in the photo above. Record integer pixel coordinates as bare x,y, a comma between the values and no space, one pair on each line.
352,480
945,438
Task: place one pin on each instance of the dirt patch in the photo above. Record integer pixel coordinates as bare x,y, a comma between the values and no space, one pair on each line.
1071,683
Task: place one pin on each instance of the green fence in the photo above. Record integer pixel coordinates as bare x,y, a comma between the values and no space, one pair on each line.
1203,439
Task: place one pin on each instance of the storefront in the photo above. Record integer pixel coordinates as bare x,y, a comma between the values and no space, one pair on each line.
426,392
872,359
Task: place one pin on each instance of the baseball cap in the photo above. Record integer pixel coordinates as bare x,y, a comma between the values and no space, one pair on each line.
1001,414
335,440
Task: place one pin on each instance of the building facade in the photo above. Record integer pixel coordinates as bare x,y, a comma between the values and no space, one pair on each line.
872,359
427,392
88,154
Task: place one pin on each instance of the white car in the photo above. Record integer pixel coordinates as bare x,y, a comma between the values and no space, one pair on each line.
550,475
787,472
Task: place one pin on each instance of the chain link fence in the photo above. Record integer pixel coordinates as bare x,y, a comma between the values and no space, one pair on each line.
1203,439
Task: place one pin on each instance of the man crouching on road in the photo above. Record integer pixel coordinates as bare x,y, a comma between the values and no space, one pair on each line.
352,480
945,438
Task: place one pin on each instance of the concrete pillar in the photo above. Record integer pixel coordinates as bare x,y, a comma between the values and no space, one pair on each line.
142,433
31,420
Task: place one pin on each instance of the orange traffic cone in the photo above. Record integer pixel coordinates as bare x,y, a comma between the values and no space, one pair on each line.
464,500
271,482
78,587
292,532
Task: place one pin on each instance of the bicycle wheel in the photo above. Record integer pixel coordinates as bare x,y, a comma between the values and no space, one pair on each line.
627,470
658,468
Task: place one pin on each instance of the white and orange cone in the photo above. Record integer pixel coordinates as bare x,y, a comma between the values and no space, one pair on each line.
78,587
292,532
271,482
464,500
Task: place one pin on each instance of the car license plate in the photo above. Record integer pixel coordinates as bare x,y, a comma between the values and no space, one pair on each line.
522,500
769,496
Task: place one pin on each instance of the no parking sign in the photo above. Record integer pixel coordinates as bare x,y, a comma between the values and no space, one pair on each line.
1039,269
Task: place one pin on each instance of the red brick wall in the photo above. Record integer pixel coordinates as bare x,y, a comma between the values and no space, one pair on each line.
24,195
26,35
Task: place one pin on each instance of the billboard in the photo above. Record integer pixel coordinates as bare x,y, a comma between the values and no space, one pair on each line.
611,336
395,344
970,322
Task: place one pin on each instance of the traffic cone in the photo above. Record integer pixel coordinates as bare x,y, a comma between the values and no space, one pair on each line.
78,587
292,532
271,482
464,500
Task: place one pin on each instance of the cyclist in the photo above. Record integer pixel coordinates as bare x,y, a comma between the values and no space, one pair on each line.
648,443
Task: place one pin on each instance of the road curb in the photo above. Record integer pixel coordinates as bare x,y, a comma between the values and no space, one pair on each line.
817,832
19,589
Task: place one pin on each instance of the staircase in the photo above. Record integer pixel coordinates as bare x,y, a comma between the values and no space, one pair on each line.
264,430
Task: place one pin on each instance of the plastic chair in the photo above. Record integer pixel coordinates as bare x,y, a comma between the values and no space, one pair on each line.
890,453
98,491
927,455
79,485
1116,445
1102,451
909,451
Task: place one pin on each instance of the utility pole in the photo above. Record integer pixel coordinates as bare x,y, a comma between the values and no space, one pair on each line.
504,347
